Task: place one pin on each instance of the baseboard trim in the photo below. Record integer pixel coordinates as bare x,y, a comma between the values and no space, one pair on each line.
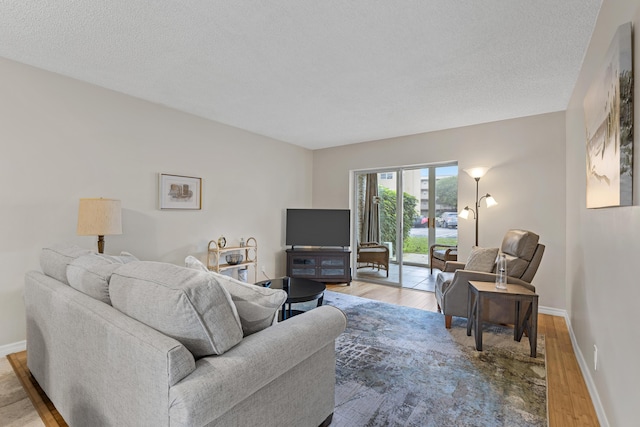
552,311
13,348
584,367
586,373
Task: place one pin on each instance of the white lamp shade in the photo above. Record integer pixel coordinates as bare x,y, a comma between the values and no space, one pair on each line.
490,201
477,171
99,217
464,213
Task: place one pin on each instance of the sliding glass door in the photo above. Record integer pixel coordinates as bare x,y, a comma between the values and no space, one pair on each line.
398,217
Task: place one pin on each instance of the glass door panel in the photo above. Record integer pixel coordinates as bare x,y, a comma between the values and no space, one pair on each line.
415,232
414,208
376,226
446,207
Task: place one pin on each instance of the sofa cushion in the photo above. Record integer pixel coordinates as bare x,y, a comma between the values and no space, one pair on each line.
257,306
482,259
55,259
183,303
90,274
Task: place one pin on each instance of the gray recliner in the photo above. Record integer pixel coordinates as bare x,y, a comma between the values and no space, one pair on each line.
523,253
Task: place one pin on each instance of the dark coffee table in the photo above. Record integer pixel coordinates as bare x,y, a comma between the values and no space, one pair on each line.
298,290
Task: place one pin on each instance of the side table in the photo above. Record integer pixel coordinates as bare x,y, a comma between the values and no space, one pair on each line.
479,291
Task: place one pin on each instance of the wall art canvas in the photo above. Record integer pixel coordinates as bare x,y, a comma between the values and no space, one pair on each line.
180,192
608,108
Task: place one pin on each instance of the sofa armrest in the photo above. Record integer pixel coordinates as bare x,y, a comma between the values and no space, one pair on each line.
221,382
91,359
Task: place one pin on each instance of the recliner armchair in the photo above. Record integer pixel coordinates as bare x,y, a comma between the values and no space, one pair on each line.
523,253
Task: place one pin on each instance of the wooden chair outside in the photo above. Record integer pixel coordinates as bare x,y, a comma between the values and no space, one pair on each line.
440,254
373,255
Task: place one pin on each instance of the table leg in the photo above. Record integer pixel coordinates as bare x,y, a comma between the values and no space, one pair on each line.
320,300
478,322
469,311
533,330
517,325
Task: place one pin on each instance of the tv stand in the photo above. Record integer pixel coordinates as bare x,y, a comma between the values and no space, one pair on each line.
321,264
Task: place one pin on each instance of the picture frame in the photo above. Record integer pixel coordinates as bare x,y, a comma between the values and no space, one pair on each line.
179,192
608,107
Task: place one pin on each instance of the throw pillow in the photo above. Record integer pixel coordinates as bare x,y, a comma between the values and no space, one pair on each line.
257,306
90,274
55,259
482,259
182,303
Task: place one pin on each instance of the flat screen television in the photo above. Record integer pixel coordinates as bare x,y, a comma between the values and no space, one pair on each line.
318,227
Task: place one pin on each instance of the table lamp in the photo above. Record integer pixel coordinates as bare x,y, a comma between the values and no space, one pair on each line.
99,217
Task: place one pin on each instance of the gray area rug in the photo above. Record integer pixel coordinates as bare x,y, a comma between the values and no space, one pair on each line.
16,409
399,366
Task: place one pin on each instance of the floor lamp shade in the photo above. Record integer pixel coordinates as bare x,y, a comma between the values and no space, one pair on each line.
99,217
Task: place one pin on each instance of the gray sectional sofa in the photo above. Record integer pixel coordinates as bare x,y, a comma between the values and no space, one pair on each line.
210,359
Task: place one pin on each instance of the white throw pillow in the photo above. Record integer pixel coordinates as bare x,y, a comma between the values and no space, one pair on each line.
182,303
257,306
482,259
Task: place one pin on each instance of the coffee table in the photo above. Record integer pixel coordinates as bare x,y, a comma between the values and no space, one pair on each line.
479,291
298,290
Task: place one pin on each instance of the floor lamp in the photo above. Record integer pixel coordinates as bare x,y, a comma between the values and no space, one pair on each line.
477,173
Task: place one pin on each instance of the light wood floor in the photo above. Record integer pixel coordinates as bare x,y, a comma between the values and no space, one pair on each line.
569,403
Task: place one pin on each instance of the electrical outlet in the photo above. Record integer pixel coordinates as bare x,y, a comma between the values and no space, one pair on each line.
595,357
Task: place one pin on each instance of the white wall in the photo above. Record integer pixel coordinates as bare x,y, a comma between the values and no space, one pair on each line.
527,160
63,139
603,288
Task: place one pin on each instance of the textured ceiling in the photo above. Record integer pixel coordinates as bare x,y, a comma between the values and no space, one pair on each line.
316,73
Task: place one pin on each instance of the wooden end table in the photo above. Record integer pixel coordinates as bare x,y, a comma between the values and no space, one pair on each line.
479,291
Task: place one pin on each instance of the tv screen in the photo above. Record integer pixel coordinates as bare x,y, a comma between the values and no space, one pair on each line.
318,227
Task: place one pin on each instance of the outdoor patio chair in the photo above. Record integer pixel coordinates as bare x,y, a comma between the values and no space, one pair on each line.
440,254
373,255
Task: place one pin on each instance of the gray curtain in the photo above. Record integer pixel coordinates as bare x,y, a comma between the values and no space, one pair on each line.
370,224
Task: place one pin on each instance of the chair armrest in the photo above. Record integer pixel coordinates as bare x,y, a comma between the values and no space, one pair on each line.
451,266
454,297
479,276
436,247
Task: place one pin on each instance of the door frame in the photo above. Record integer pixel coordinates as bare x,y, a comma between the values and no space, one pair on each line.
398,170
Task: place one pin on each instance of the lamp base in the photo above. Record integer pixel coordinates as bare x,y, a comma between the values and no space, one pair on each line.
100,244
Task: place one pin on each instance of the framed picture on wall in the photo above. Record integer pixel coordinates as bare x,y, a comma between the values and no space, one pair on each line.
608,110
180,192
